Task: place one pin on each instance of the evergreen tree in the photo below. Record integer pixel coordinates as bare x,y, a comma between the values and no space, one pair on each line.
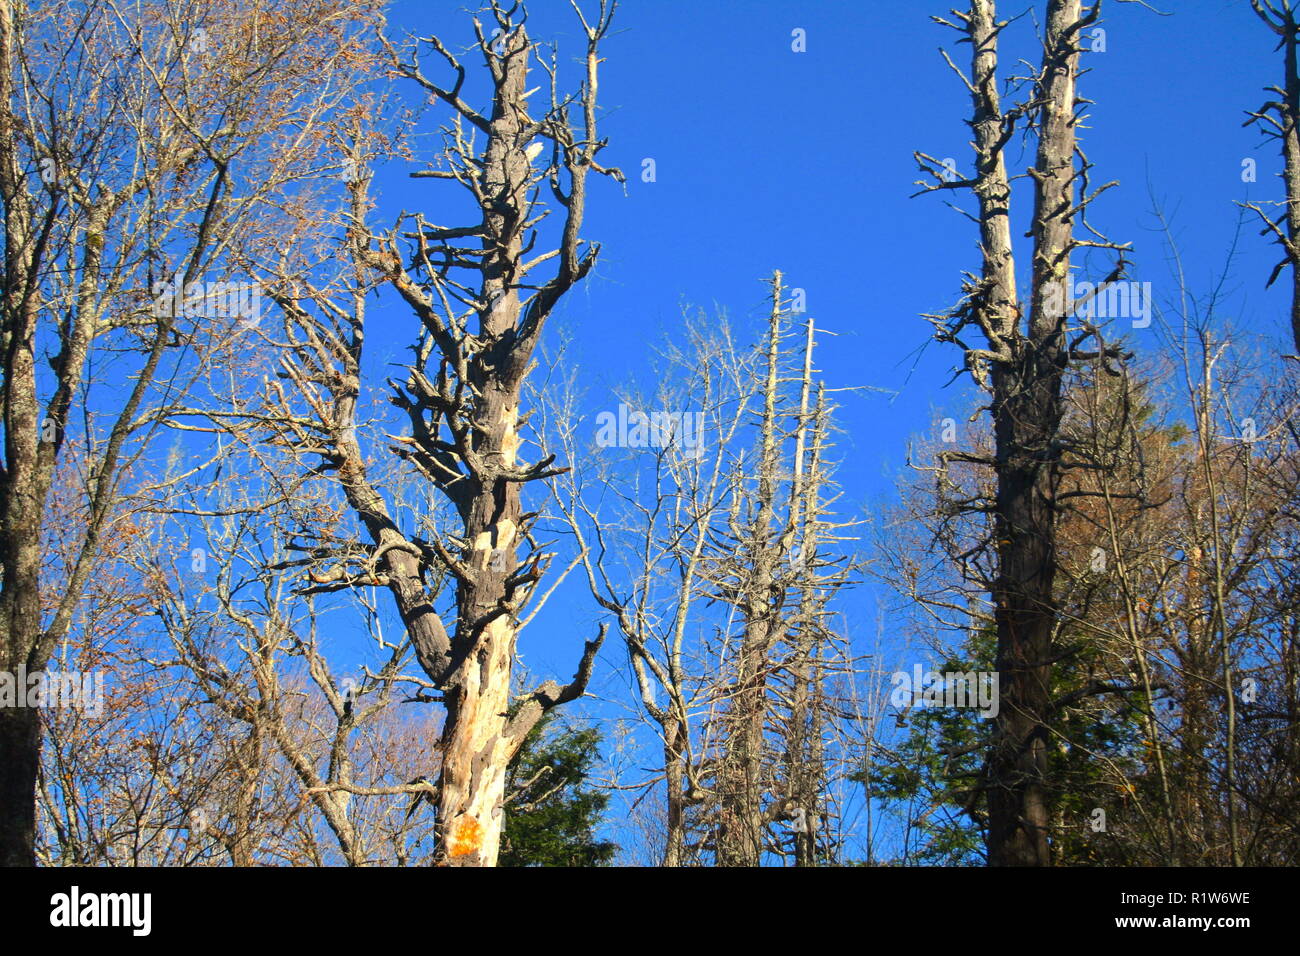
551,817
941,767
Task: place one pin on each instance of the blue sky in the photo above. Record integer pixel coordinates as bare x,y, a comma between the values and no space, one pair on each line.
767,158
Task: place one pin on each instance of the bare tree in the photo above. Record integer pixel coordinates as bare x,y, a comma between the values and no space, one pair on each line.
229,735
249,638
136,145
644,552
1280,119
1021,365
461,396
717,555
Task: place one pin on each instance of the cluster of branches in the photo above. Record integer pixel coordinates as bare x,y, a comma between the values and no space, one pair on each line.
719,556
1106,566
139,145
227,142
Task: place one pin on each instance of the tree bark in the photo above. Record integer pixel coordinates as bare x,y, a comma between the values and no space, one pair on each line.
20,750
741,784
1027,417
1023,369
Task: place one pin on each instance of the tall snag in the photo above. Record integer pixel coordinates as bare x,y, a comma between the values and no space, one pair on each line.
1280,119
1022,367
461,397
753,583
777,568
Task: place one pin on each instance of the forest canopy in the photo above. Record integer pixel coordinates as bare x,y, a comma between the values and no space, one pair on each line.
376,491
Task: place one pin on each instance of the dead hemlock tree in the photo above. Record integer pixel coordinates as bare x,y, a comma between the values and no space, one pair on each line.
753,584
806,707
772,564
804,653
131,155
742,720
461,397
1280,119
1022,365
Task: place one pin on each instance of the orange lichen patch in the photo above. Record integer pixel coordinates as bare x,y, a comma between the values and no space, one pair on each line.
467,837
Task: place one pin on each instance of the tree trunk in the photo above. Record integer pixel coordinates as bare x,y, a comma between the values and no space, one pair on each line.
741,820
1281,119
477,745
1023,368
1027,412
1290,135
20,752
22,491
674,780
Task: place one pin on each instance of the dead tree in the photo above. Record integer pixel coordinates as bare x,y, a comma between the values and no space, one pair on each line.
756,585
776,565
1280,119
1021,364
716,563
801,691
480,306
